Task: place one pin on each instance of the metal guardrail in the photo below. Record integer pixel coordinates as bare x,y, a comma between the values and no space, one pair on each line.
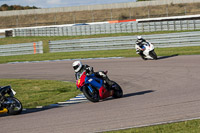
127,27
126,42
21,49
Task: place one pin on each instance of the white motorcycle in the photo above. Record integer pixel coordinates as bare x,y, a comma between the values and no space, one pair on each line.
147,52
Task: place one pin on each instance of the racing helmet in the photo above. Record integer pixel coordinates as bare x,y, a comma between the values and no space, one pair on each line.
139,38
77,65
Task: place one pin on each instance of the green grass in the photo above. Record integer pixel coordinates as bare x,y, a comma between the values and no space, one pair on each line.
96,54
34,93
192,126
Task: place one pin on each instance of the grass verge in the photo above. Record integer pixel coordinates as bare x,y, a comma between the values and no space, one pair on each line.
191,126
96,54
34,93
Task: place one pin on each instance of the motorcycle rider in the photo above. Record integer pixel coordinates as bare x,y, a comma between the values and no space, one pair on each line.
141,42
79,68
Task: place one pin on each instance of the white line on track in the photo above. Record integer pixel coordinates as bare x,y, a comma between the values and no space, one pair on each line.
64,60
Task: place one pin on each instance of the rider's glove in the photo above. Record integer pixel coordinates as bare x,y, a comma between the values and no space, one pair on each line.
89,70
102,74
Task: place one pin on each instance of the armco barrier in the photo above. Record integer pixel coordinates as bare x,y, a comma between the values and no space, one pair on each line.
21,49
109,28
126,42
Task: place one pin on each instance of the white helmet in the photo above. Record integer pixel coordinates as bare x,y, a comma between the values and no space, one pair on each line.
77,65
139,37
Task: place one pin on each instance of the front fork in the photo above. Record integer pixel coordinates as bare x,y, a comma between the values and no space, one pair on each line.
2,108
91,89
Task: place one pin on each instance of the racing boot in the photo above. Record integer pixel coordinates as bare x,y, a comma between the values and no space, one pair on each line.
109,83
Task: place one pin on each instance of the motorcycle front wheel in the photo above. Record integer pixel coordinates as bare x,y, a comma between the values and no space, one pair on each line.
153,54
91,96
14,106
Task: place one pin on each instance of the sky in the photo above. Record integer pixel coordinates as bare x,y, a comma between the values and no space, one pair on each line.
60,3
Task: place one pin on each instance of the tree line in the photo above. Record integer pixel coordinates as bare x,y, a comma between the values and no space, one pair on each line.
6,7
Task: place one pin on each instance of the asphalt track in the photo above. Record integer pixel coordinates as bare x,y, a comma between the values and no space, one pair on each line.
158,91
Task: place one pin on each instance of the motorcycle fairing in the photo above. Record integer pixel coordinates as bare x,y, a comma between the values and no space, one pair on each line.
91,81
97,83
94,81
104,93
7,89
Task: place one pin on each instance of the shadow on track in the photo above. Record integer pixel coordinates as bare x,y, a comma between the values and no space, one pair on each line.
137,93
32,110
164,57
130,95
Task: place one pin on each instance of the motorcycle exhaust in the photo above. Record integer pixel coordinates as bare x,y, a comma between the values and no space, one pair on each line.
5,110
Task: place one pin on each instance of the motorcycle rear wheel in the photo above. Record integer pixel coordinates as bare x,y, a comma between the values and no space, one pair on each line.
118,92
15,106
91,96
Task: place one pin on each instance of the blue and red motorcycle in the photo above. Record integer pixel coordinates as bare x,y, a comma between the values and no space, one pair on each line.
95,88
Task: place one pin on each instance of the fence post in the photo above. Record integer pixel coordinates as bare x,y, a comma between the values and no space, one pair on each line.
168,25
35,18
55,19
174,26
181,25
92,16
129,13
74,17
17,21
167,11
185,10
148,13
194,24
137,27
110,14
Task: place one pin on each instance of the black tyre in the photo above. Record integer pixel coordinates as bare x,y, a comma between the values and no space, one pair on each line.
118,92
14,105
91,96
153,54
